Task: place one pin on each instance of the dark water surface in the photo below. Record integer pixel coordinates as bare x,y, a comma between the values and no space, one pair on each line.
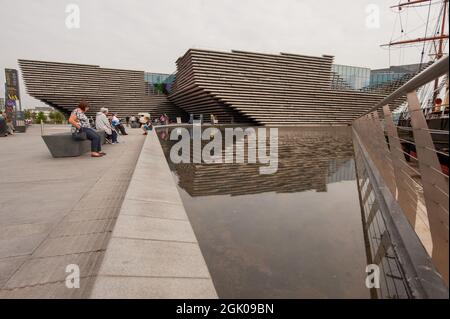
293,234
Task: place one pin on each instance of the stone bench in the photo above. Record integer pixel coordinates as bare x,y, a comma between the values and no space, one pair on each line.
3,127
63,144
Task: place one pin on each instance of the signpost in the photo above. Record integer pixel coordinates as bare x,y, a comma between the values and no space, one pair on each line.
13,107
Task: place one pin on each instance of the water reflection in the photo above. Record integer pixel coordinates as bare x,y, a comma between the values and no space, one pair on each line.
293,234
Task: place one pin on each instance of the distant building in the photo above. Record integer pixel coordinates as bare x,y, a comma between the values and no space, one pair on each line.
239,87
126,92
44,109
394,73
364,79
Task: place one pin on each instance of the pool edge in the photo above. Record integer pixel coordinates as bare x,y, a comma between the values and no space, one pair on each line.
153,251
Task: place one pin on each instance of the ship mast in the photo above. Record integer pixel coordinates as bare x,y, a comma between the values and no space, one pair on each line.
441,41
440,49
441,37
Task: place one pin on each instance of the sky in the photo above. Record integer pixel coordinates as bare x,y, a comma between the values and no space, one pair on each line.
150,35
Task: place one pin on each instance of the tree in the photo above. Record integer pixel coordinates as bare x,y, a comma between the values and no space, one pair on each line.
51,116
56,117
59,117
40,117
27,114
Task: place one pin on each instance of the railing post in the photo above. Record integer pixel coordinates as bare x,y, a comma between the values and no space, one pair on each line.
406,197
369,129
380,151
435,186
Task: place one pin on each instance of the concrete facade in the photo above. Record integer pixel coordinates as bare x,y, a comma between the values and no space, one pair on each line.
267,89
64,85
243,87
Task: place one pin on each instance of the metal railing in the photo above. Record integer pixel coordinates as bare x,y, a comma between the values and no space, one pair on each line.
412,163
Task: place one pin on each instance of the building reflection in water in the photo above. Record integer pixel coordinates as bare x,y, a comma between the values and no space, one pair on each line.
293,234
309,159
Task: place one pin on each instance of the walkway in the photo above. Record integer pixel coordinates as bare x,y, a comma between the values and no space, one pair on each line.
55,212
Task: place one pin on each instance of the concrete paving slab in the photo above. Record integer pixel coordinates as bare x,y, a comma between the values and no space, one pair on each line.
24,230
56,290
72,245
20,245
94,203
153,209
92,214
154,228
166,192
85,227
40,271
156,288
8,266
135,257
158,177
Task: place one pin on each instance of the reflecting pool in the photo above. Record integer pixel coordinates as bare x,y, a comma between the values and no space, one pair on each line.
293,234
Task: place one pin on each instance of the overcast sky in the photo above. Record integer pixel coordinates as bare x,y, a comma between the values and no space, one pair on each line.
150,35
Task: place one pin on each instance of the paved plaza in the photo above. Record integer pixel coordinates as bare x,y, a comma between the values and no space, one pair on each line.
55,212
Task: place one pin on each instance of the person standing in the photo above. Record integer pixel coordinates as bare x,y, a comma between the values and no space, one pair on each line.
10,125
133,121
161,119
80,122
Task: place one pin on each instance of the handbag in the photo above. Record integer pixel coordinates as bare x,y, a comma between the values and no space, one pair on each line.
79,135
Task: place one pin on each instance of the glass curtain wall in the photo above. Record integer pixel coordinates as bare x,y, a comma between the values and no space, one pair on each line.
158,83
350,77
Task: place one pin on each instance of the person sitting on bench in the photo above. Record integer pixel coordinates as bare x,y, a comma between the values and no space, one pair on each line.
80,122
116,122
147,125
102,123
